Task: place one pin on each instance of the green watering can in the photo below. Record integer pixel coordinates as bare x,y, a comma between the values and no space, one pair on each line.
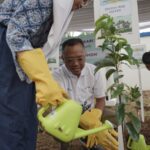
63,122
138,145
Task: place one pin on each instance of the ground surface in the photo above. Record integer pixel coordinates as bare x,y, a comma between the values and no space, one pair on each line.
46,142
146,125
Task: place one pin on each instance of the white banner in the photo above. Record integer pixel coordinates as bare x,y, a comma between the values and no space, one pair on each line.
125,14
52,59
138,51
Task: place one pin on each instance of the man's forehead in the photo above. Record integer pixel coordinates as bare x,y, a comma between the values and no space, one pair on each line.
74,57
73,50
74,45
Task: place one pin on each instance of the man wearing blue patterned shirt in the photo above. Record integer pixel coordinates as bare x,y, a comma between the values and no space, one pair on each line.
24,29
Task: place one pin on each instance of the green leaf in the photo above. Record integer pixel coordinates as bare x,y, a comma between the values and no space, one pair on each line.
135,93
116,78
105,48
110,88
101,37
109,73
100,19
132,132
105,45
123,57
120,113
117,90
134,61
113,29
118,47
99,27
122,40
104,63
121,43
113,38
111,55
135,121
129,50
106,25
110,25
127,64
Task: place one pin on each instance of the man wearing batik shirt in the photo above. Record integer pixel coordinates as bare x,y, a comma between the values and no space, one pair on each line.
24,29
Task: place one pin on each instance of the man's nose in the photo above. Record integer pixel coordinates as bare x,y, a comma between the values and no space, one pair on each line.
75,62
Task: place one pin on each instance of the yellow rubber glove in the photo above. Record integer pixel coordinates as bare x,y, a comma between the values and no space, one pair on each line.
36,68
108,139
91,119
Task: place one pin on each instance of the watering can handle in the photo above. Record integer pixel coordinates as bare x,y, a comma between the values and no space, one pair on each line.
129,143
41,112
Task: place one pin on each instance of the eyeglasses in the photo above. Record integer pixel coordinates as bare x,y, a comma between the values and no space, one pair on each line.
85,3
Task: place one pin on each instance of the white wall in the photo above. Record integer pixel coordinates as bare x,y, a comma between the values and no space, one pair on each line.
146,41
131,77
131,74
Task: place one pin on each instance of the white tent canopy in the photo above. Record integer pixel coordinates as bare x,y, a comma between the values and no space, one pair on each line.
84,18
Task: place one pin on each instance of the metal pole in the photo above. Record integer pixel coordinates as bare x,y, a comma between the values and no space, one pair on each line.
141,97
120,138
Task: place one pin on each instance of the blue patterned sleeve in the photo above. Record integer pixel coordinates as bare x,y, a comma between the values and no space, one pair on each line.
26,21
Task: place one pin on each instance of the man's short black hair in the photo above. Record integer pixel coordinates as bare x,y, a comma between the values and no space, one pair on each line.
72,42
146,58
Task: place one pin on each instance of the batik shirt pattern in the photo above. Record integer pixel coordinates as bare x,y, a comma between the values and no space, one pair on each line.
28,23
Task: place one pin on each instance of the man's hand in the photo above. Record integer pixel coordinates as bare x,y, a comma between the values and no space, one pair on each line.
107,138
90,118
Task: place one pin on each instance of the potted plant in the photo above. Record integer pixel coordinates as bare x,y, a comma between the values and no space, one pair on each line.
118,52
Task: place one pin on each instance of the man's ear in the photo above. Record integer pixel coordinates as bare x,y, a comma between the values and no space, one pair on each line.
1,1
62,57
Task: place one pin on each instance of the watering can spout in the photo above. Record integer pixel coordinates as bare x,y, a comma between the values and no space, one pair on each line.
82,133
